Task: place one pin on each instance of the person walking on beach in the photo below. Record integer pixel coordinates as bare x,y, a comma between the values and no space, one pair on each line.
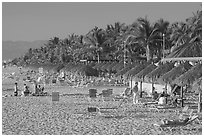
135,92
16,89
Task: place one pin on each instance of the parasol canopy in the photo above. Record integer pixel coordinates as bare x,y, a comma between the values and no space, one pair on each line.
132,72
104,67
190,76
109,68
197,85
140,76
126,69
87,71
119,64
159,71
170,76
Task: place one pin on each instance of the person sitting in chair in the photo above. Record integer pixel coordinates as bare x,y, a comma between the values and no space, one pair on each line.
174,99
162,99
179,121
155,95
126,93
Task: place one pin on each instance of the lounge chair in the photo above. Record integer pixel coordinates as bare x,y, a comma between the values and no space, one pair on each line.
107,95
173,124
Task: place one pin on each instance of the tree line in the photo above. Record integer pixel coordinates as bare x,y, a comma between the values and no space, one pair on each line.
139,39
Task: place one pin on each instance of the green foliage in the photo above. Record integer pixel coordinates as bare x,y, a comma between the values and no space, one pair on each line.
140,39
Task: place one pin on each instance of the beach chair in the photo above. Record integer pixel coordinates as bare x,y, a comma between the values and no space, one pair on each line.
107,95
92,94
175,124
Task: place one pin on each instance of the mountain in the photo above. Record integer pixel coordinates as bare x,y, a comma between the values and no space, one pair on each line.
13,49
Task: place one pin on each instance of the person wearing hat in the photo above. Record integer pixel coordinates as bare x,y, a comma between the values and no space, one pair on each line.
135,93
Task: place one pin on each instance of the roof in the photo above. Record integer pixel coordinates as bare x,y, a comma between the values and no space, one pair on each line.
181,59
140,76
124,70
174,73
132,72
159,71
197,85
190,76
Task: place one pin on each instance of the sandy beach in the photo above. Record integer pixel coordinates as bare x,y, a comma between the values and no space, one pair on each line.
39,115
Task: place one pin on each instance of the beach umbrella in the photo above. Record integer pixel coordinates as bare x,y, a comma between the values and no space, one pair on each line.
96,65
159,71
170,76
190,76
100,65
126,69
105,67
140,76
109,68
76,67
87,71
119,67
197,85
132,72
119,64
58,67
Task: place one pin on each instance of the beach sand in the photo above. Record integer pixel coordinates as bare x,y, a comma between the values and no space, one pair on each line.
69,115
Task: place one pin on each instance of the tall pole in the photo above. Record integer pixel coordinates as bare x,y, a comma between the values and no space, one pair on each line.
163,43
98,57
124,56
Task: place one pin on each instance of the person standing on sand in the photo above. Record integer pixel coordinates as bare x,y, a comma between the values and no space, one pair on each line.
135,92
16,89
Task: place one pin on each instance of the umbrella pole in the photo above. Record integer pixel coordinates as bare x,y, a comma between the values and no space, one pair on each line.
182,96
152,84
200,101
140,89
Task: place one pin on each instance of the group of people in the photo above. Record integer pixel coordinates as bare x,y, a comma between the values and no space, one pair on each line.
26,91
160,98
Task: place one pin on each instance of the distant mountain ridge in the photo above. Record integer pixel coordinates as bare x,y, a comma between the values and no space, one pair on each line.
13,49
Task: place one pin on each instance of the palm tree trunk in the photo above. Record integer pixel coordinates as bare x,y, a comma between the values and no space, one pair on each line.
159,54
148,53
98,56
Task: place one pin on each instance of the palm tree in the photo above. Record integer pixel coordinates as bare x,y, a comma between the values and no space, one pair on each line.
95,40
188,37
144,34
162,27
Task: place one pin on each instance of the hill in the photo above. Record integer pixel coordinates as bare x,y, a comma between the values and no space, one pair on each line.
13,49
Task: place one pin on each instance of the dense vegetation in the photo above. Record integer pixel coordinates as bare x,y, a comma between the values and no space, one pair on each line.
139,39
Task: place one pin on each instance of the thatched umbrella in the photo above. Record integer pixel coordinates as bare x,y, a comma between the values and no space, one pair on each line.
158,72
124,70
119,67
132,72
140,76
68,67
197,85
190,76
87,71
57,68
33,66
119,64
104,67
170,76
99,65
96,65
76,67
109,68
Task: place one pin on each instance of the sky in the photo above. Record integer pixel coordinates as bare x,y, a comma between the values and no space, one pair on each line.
42,21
